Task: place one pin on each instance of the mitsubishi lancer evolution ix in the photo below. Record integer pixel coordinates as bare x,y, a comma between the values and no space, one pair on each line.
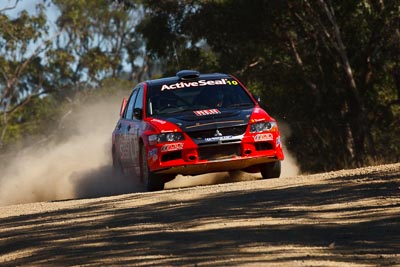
194,124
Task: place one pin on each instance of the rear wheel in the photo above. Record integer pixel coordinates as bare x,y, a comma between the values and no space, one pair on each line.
153,182
271,170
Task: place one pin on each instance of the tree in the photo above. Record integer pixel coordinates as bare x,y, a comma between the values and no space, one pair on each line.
354,35
97,41
93,40
22,72
329,69
323,66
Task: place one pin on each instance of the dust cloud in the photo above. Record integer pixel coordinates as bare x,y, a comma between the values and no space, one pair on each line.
80,166
289,164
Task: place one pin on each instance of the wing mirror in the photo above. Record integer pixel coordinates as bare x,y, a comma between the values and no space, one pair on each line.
138,113
123,107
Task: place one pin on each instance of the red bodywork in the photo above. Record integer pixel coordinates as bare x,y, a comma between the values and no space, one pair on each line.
190,163
182,157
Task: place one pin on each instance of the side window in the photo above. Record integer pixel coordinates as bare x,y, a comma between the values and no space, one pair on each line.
139,99
129,110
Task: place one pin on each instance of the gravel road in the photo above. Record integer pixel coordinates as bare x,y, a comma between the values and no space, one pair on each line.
342,218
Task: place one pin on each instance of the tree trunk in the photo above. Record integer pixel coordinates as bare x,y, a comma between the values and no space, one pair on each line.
357,118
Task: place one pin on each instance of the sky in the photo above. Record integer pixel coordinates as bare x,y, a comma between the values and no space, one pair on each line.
30,6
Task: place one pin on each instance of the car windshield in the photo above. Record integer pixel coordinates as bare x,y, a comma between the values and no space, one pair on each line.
196,95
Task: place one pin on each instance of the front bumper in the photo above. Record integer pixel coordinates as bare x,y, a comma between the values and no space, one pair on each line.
239,163
187,158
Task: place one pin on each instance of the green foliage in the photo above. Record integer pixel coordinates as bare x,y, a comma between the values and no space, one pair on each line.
90,44
330,70
22,72
99,35
325,68
42,118
31,122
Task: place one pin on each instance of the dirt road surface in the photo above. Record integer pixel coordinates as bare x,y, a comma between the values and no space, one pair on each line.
343,218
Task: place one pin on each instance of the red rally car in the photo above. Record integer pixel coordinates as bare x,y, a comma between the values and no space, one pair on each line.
194,124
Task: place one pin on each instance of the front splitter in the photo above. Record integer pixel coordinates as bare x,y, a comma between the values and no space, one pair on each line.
216,166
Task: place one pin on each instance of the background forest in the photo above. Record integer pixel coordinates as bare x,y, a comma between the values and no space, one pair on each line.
327,70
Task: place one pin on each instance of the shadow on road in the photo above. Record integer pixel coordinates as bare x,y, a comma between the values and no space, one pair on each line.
103,181
352,219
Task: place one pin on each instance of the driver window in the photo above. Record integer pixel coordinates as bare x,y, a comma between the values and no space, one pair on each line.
129,110
139,99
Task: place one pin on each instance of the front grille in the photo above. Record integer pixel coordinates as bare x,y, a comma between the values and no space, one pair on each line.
219,152
228,131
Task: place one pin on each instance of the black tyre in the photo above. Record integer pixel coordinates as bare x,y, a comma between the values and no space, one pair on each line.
271,170
153,182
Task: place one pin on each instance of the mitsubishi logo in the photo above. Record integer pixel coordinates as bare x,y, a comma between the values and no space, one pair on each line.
217,133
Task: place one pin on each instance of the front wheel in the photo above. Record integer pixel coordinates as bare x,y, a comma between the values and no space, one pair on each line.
152,181
271,170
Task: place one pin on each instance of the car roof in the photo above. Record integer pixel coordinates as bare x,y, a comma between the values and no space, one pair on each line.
175,79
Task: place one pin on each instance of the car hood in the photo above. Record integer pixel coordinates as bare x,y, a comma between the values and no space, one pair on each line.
209,119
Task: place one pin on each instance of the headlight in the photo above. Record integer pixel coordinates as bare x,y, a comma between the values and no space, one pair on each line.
263,126
165,137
